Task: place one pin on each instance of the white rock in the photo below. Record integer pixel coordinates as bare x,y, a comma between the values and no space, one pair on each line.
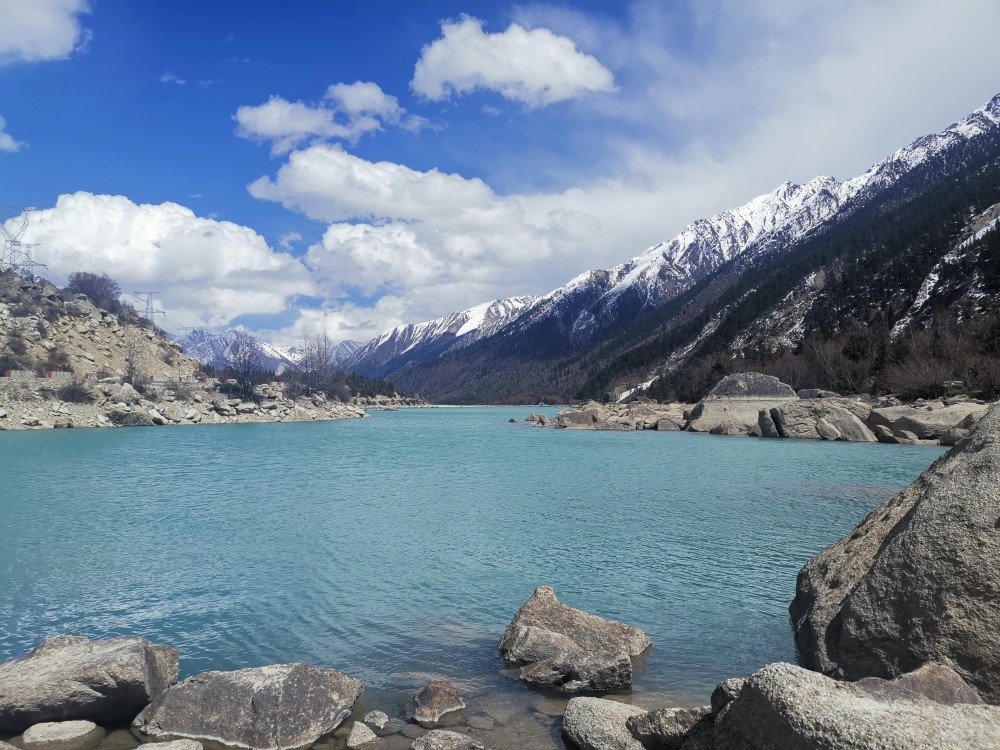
59,734
360,736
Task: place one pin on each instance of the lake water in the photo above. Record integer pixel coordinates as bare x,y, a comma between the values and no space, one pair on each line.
400,546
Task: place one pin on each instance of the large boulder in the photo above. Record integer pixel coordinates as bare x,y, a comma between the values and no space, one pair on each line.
916,580
827,419
570,650
599,724
785,707
71,677
733,406
284,706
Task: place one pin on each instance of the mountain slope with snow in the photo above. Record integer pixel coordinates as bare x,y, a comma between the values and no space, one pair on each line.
422,342
750,248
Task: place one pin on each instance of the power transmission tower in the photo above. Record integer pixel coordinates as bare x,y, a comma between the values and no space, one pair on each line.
151,311
13,225
28,266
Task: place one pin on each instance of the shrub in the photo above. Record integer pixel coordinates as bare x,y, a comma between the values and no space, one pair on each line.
102,290
16,344
75,392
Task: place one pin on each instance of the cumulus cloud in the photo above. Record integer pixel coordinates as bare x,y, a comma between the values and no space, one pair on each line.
440,241
534,67
7,142
208,272
38,30
347,112
342,320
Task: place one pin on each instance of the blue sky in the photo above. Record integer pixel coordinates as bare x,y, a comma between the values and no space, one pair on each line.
304,166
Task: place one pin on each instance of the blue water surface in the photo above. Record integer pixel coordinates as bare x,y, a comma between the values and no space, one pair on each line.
406,542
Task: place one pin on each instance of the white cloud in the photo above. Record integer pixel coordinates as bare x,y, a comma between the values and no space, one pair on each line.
342,320
38,30
441,241
7,142
288,239
364,98
208,272
170,77
348,111
535,67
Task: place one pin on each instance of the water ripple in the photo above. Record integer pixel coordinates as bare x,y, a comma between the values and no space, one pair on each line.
403,544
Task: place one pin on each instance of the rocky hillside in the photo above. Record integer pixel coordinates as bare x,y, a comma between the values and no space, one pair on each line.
63,361
42,331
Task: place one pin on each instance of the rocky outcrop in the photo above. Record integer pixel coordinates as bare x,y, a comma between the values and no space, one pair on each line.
599,724
824,419
916,580
284,706
641,414
71,677
734,405
928,420
784,706
437,704
569,650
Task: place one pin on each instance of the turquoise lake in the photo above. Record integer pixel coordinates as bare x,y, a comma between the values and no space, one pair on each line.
401,545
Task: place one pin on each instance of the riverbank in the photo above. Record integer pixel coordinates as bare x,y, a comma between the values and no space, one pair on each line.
40,406
754,405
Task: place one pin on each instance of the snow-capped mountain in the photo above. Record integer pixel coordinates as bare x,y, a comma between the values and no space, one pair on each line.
421,342
341,352
224,349
706,258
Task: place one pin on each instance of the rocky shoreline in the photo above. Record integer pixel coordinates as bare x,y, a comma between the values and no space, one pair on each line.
755,405
896,625
120,405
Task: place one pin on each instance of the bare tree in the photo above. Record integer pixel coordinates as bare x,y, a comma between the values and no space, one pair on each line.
135,373
247,365
317,365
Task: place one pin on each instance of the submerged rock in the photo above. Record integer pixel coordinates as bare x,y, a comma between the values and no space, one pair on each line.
435,702
72,677
442,739
784,706
62,735
360,736
570,650
376,719
284,706
916,580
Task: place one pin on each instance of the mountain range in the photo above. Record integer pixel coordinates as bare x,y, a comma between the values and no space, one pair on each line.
758,277
222,350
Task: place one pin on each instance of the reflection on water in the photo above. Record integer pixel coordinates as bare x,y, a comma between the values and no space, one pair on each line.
404,543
